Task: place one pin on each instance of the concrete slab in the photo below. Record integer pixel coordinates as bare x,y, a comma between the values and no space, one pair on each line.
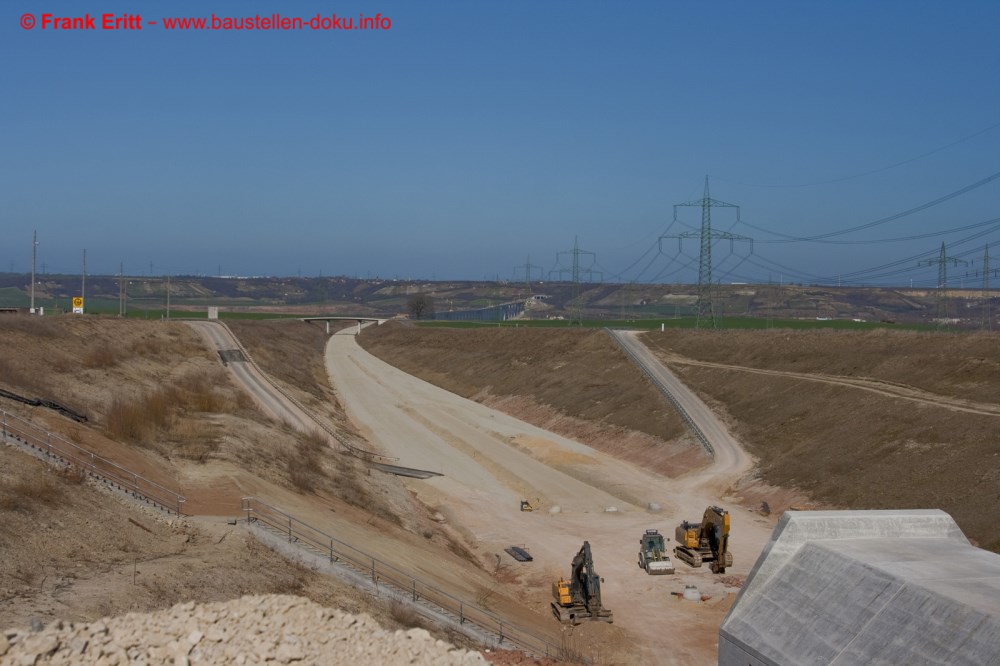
873,587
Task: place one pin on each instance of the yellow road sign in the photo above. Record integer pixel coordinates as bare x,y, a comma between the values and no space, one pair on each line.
77,301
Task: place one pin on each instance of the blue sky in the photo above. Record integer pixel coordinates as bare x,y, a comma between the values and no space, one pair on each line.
472,134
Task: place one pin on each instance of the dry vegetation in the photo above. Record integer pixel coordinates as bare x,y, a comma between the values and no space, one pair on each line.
72,552
573,382
76,552
841,446
853,448
155,386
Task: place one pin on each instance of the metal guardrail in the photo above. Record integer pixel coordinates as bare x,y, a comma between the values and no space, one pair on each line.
665,391
59,448
353,450
382,573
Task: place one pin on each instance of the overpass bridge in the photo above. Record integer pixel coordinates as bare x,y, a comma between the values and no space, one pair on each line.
359,318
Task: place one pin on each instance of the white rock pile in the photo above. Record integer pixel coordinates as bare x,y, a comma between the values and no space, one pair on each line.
271,629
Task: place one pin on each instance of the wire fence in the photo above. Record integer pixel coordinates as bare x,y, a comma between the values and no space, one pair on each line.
58,448
382,573
663,389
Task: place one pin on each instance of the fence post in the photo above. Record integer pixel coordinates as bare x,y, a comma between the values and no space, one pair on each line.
501,633
331,551
461,613
289,529
374,579
414,583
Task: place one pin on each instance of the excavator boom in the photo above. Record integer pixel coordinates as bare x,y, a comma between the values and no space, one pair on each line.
578,598
707,541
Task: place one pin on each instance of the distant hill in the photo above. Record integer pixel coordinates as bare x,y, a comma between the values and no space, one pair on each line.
350,296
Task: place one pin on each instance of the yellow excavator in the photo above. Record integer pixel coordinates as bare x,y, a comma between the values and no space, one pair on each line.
707,541
578,598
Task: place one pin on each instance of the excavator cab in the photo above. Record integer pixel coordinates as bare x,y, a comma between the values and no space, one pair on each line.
578,598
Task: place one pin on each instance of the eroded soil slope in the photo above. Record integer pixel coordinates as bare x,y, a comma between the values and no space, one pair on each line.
573,382
912,445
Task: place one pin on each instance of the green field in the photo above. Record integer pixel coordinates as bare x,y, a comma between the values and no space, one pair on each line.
684,322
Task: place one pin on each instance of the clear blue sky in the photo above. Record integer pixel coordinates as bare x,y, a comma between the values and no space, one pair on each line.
472,134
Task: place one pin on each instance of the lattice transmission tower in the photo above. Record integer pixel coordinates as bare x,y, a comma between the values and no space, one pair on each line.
522,272
987,322
987,317
707,236
942,262
576,271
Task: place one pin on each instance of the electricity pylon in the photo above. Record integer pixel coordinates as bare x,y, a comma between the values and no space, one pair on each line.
526,269
707,236
942,261
575,271
987,318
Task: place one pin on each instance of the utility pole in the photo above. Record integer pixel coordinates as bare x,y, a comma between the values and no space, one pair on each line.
83,281
942,263
706,236
575,271
121,289
168,297
34,256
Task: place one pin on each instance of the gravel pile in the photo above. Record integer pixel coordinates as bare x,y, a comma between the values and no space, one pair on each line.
271,629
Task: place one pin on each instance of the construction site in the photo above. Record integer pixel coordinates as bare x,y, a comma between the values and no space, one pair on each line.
500,505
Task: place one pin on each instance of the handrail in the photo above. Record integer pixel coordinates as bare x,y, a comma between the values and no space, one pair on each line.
56,446
384,573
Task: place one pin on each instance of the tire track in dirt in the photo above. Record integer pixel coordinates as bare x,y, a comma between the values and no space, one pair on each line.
889,389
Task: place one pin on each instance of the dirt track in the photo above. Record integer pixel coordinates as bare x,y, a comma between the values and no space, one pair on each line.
491,460
729,460
256,385
888,389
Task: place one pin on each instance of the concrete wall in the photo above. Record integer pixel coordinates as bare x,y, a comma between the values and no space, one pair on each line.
871,587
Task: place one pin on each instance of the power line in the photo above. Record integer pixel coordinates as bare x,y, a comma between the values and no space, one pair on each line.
706,235
880,169
942,262
786,238
576,271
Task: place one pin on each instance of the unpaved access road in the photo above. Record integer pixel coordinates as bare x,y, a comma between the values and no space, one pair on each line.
730,460
881,387
490,461
267,397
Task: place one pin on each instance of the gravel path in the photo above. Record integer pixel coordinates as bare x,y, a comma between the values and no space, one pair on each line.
269,629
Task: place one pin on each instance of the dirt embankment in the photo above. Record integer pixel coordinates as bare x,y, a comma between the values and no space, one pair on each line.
75,551
850,446
573,382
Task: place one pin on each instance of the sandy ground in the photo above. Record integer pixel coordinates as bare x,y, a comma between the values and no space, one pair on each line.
490,461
